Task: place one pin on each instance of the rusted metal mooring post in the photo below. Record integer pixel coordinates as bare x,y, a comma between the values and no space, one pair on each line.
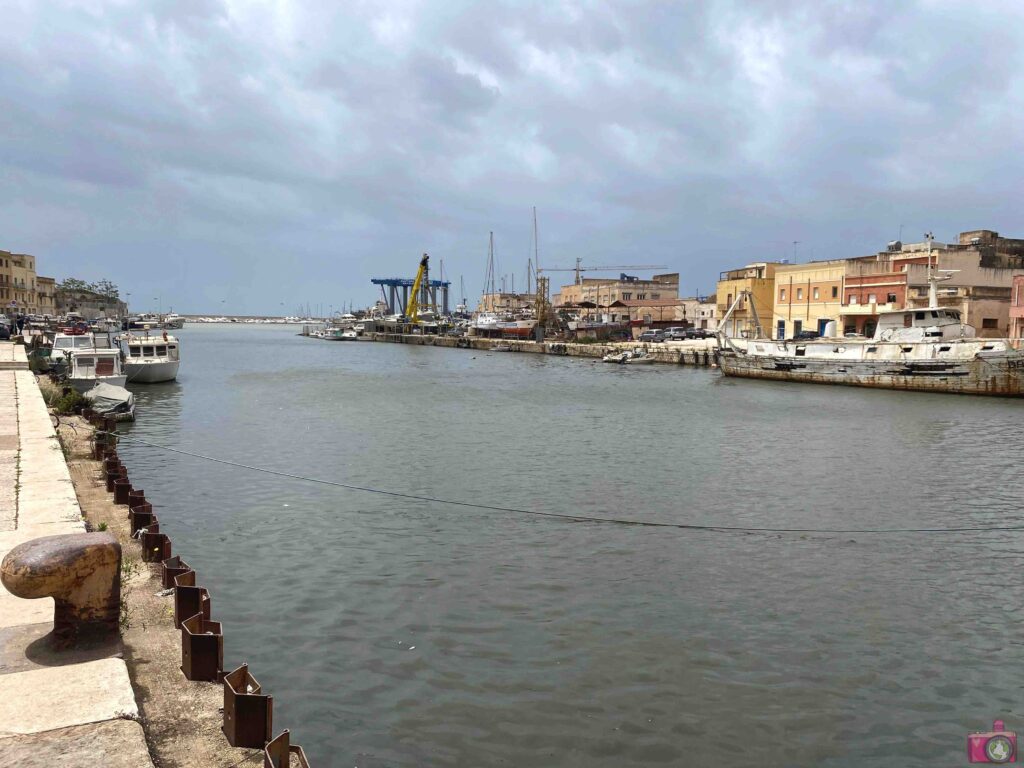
278,753
248,714
80,571
202,648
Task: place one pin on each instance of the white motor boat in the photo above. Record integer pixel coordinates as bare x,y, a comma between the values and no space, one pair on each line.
150,359
89,367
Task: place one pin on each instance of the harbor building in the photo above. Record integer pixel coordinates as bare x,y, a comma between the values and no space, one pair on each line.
603,292
46,296
1017,308
759,279
507,302
807,297
18,283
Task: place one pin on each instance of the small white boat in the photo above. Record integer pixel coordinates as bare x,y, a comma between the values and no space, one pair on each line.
629,357
174,321
89,367
150,359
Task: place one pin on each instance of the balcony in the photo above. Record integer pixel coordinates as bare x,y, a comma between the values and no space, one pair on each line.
872,308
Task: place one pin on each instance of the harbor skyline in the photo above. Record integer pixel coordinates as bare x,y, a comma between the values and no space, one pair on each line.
249,160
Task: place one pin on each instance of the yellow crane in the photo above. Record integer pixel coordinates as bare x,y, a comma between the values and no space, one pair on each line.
413,310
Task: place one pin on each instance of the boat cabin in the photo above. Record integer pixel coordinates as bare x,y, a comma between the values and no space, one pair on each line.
925,324
146,347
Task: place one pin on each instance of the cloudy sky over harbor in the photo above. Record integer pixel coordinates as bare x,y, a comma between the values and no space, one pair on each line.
245,157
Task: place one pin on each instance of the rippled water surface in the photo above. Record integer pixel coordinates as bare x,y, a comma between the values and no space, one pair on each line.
402,633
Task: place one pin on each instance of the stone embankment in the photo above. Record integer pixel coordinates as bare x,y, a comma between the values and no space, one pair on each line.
700,352
71,707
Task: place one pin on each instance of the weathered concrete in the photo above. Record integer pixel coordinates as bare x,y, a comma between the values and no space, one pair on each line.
12,357
73,694
57,707
111,744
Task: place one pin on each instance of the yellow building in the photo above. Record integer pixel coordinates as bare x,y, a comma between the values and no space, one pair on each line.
807,297
757,278
602,292
18,283
46,295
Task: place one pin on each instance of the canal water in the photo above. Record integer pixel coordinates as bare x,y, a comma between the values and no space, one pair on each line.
394,632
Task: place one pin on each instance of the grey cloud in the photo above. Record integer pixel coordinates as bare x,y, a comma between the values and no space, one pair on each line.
222,137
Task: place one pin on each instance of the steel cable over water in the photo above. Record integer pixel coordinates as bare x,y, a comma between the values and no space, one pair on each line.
566,516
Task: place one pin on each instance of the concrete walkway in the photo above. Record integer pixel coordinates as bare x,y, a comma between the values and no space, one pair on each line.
73,708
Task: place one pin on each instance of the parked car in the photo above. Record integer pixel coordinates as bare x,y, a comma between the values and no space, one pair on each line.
699,333
806,335
654,335
676,333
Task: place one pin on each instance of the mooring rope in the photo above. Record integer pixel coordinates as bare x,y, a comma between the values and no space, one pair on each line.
568,516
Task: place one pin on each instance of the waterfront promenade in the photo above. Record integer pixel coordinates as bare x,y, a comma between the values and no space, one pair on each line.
70,707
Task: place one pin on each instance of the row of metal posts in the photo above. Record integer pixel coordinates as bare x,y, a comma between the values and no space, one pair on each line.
248,712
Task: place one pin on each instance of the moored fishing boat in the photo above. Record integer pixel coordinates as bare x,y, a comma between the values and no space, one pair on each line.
923,349
89,367
150,359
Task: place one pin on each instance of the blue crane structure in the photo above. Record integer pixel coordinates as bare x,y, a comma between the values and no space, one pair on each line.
396,295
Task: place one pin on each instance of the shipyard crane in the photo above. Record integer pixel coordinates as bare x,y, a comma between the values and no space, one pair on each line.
578,269
422,278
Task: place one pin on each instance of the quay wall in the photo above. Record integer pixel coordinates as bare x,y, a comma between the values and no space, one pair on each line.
700,352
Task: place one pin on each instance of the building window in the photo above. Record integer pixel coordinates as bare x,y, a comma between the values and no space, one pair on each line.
782,294
851,299
990,322
799,293
798,325
641,296
655,295
890,298
835,291
815,294
922,291
872,298
728,299
627,296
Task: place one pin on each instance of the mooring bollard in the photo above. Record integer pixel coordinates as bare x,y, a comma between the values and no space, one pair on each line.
173,567
278,753
248,714
189,599
202,648
80,571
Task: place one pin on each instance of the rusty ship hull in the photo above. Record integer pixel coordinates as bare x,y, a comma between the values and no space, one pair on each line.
1000,375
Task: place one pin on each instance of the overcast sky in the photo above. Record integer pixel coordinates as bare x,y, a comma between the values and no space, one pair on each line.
246,157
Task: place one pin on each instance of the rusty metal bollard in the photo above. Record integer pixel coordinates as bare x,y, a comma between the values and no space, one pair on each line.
189,599
80,571
202,648
248,714
278,752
